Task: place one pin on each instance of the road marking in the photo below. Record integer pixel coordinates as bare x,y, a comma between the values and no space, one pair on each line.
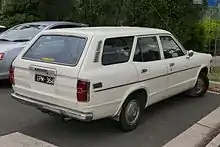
20,140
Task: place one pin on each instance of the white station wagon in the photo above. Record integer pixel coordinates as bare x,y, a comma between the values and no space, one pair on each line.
98,72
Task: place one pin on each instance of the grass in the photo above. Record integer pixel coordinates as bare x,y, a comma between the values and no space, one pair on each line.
215,74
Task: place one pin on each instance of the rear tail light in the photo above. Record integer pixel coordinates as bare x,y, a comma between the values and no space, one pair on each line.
11,75
1,56
83,88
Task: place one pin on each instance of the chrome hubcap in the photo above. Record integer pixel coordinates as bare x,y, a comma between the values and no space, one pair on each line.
132,112
199,85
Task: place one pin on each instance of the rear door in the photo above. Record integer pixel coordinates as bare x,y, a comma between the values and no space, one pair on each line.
152,70
50,67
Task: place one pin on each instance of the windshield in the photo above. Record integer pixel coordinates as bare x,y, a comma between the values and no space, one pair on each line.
23,32
57,49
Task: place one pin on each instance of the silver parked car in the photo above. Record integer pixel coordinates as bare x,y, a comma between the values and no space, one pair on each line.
16,38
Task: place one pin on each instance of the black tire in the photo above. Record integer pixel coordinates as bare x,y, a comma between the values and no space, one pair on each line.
124,124
194,92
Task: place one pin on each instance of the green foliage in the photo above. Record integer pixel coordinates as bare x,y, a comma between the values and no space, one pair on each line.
211,28
19,11
178,16
211,32
197,40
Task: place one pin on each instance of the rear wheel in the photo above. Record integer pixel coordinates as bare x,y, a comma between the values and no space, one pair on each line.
201,86
130,114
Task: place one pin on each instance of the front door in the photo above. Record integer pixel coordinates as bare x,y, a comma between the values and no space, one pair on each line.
180,70
152,70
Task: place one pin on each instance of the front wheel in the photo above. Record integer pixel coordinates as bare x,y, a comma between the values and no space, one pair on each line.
201,86
130,114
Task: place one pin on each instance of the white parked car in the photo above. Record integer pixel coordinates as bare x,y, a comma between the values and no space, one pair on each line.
98,72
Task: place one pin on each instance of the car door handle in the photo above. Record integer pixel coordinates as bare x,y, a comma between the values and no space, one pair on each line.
172,64
144,70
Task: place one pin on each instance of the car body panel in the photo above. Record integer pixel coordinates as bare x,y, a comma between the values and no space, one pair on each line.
10,50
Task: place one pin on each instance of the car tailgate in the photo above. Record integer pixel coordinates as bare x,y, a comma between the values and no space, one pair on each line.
48,70
46,79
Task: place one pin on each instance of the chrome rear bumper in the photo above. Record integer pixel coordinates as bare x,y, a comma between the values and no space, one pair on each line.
66,112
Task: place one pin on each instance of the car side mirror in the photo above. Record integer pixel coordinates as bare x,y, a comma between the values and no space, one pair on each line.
190,53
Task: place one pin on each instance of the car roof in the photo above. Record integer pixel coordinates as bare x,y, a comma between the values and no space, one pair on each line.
110,31
48,23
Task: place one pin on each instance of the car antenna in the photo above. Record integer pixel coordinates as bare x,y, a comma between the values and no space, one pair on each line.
155,9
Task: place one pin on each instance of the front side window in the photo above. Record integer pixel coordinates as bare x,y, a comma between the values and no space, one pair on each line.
57,49
147,50
117,50
170,47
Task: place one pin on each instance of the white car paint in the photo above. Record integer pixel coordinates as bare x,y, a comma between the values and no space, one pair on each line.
118,80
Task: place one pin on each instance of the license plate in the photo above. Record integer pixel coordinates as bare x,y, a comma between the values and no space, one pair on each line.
44,79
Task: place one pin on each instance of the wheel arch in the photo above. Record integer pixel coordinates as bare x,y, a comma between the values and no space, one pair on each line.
204,69
129,93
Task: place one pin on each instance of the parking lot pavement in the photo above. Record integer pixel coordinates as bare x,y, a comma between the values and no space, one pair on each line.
160,124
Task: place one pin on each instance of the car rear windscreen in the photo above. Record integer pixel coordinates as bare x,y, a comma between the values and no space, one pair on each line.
57,49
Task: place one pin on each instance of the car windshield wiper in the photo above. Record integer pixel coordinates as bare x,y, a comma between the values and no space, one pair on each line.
21,40
5,40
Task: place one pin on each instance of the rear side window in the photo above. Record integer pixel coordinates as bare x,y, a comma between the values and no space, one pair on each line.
147,50
58,49
117,50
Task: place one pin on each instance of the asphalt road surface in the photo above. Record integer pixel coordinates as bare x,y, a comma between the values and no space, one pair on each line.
161,123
